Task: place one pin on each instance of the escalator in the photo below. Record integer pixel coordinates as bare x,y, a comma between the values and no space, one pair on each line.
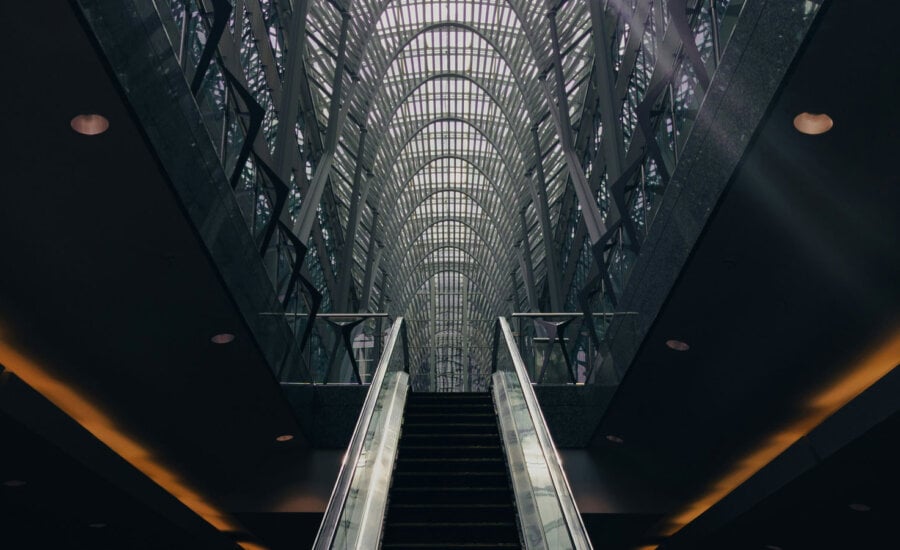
452,470
450,485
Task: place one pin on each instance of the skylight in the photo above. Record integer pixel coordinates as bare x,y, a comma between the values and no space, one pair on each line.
449,93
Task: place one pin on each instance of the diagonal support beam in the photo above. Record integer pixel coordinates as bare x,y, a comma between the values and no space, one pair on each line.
286,142
611,142
558,110
593,218
543,210
373,257
336,114
526,266
357,198
324,259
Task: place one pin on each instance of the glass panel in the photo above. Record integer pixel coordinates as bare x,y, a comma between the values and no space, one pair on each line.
256,80
727,12
331,359
449,93
539,483
356,509
687,101
543,497
703,27
449,337
372,471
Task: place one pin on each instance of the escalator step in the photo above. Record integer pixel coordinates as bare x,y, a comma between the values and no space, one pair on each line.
438,418
448,428
421,512
449,546
433,439
443,478
459,451
462,407
450,487
450,403
451,532
450,495
450,464
452,399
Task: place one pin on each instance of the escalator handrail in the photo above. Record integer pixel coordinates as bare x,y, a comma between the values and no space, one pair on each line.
338,499
563,491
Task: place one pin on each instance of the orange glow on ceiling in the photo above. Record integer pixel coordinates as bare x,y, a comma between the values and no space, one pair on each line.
873,366
102,426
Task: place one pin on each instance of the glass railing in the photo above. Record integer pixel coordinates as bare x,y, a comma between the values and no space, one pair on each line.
194,28
339,348
562,348
355,512
548,515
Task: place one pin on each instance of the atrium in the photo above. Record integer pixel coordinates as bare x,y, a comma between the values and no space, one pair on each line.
255,252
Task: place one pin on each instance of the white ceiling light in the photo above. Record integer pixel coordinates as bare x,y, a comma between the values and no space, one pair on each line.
90,124
223,338
677,345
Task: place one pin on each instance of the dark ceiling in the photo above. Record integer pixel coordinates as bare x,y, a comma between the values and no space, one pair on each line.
107,287
49,499
849,501
793,281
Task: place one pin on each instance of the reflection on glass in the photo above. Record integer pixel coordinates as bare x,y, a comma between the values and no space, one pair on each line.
544,501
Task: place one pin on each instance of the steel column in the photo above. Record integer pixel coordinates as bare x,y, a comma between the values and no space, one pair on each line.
543,210
336,112
284,157
357,198
592,217
525,261
373,258
611,141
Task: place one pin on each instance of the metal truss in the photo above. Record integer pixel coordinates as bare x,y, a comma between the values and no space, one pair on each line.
465,158
479,146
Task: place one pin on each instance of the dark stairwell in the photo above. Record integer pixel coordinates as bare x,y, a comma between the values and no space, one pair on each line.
450,487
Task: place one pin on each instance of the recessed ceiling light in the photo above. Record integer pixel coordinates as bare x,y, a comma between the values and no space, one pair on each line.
14,483
677,345
615,439
98,525
772,547
90,124
860,507
813,124
223,338
284,438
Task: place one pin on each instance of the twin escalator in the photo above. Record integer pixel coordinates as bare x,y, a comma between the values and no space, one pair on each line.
451,470
450,486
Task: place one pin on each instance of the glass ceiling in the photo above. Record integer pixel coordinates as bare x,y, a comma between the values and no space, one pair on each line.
448,93
456,160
